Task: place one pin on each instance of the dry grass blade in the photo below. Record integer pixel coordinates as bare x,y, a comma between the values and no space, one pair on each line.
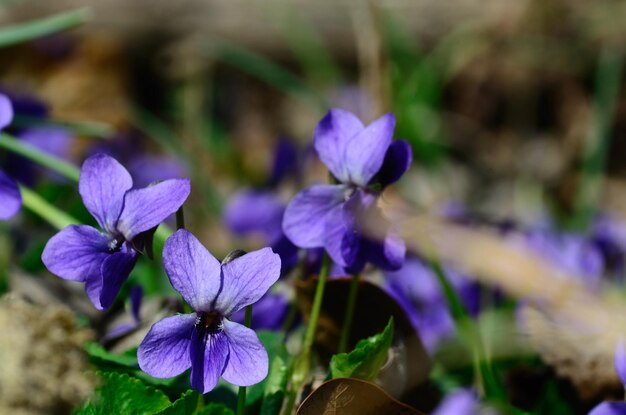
571,327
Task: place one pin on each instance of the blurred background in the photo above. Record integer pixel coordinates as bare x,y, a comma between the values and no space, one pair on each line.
514,109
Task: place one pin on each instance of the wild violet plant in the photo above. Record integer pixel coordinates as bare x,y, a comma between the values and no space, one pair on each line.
207,340
104,259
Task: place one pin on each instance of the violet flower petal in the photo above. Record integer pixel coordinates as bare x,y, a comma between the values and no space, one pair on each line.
115,271
394,251
304,221
146,208
209,356
192,270
164,352
336,231
246,279
76,253
10,197
397,162
248,361
102,185
6,111
365,153
609,408
331,138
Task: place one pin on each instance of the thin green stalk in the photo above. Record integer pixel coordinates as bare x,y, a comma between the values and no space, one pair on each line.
241,396
41,207
468,331
349,315
57,165
85,128
23,32
309,336
302,363
608,79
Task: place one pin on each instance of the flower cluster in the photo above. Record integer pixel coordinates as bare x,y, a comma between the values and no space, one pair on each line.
210,340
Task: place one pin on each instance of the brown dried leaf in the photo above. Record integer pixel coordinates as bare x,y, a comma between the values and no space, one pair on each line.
352,396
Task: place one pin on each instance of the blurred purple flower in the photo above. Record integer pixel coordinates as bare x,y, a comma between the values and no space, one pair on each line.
10,197
363,160
149,168
136,297
269,312
259,211
207,340
51,140
103,260
574,254
609,408
285,162
459,402
416,289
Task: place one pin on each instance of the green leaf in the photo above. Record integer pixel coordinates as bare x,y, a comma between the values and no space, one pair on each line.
365,361
103,358
275,347
187,404
275,386
24,32
215,409
122,394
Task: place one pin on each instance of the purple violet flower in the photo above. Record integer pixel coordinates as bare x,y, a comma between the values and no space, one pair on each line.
363,160
207,340
615,408
417,291
104,259
10,197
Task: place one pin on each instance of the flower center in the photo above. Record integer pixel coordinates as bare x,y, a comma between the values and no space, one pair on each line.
209,322
115,245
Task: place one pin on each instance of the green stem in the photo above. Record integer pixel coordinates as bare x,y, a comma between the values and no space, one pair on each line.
16,146
84,128
241,396
608,79
36,204
309,337
349,315
469,333
302,363
23,32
